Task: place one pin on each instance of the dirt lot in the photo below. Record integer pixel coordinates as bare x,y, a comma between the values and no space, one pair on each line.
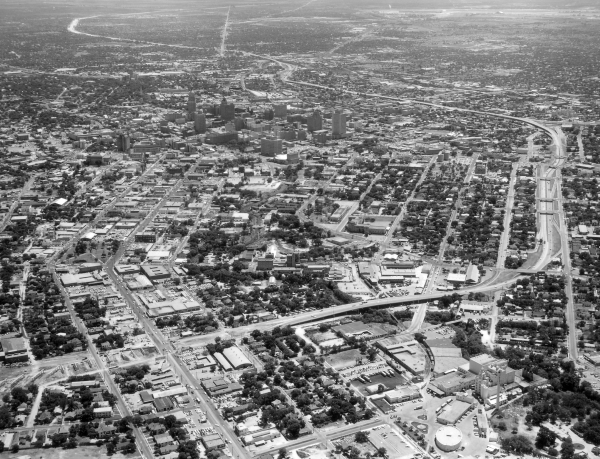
45,371
345,359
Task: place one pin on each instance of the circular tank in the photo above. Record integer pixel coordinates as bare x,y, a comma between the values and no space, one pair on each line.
448,438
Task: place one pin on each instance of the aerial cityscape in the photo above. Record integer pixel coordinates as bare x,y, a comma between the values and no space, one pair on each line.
326,229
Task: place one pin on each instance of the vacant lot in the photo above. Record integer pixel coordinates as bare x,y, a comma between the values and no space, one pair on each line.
318,337
346,359
83,452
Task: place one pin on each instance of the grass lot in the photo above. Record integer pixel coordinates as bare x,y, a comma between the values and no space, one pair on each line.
514,418
364,448
424,428
533,258
82,452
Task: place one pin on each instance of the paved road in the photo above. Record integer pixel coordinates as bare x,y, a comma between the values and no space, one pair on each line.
580,147
457,207
417,320
163,346
331,312
559,144
73,241
394,226
224,34
560,141
326,434
123,408
510,201
16,203
205,211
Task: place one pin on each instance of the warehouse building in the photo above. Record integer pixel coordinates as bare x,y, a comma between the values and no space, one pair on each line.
223,361
236,358
13,350
402,394
168,307
453,412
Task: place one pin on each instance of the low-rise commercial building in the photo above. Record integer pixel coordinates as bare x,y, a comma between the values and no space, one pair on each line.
14,350
155,273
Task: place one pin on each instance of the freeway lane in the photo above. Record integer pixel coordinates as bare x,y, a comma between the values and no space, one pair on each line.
311,316
559,144
330,434
534,123
510,200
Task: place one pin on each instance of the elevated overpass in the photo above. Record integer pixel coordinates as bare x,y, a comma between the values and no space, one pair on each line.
341,310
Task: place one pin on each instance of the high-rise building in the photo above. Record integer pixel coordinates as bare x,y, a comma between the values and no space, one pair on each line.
268,114
280,110
291,260
200,123
315,122
284,133
239,123
293,157
191,103
123,142
227,111
295,118
320,136
338,124
271,146
255,126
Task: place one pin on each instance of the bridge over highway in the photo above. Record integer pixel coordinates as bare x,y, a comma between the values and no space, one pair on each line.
342,309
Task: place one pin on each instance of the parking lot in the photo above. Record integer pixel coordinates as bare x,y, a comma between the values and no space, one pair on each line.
393,441
472,443
592,375
197,426
376,377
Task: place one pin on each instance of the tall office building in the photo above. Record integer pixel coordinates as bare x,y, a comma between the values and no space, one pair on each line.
271,146
269,114
315,122
123,142
227,111
339,124
191,103
239,123
320,136
200,123
291,260
280,110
